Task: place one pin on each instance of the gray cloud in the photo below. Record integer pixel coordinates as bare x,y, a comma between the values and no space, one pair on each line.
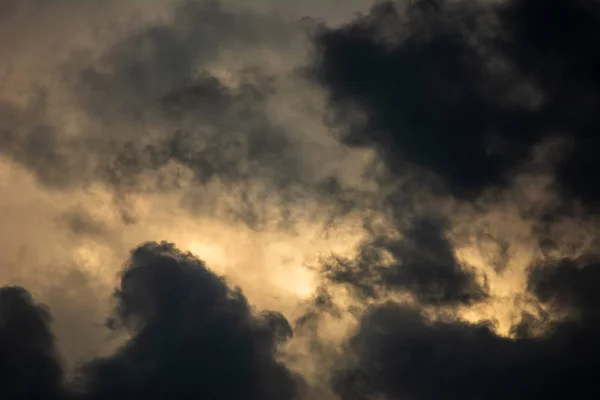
194,122
422,264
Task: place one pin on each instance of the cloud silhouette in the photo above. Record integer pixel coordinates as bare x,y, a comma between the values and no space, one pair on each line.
468,89
191,336
29,365
421,263
400,353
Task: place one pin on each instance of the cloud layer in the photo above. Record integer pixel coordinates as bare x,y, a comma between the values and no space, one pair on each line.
334,200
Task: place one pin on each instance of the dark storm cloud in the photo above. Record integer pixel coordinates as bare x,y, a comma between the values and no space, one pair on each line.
402,354
570,286
422,263
467,88
29,367
192,336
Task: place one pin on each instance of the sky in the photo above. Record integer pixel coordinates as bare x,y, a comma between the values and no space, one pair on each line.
289,200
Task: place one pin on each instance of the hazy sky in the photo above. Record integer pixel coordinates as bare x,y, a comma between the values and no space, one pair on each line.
283,200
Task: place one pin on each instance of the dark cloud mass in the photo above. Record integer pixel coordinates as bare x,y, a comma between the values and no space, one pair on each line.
422,264
29,367
467,88
401,354
192,336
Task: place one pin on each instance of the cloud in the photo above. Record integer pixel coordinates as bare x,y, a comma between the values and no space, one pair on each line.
28,361
421,262
151,100
34,142
7,8
468,89
190,335
193,122
570,286
402,353
202,94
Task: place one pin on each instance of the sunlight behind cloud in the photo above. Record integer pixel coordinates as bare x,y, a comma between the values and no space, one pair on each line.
212,254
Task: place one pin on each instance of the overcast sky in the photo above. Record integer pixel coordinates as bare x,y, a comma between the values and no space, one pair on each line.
334,199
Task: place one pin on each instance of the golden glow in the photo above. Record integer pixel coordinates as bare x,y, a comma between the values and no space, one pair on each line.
272,266
212,254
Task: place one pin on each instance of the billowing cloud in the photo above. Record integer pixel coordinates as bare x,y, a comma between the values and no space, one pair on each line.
190,335
403,354
467,89
421,262
479,94
30,367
